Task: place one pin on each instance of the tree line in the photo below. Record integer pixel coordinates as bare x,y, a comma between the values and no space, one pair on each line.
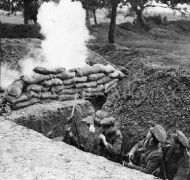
30,9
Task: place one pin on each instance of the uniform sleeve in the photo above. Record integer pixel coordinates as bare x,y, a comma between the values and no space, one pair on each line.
152,165
183,170
136,146
116,147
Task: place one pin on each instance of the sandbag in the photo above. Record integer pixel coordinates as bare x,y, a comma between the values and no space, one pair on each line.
104,80
48,95
110,69
52,82
69,86
25,103
99,68
69,91
94,77
44,71
57,89
69,81
33,94
15,89
117,74
87,84
65,75
36,78
36,88
99,88
67,97
23,97
96,68
81,79
86,94
86,70
110,85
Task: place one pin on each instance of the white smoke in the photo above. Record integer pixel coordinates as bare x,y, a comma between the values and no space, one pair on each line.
8,75
66,34
35,58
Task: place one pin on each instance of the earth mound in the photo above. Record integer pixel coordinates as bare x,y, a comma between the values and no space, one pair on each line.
26,154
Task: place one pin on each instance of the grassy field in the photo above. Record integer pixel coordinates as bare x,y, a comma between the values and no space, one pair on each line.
169,41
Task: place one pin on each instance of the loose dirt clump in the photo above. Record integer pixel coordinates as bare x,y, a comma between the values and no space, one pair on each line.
151,96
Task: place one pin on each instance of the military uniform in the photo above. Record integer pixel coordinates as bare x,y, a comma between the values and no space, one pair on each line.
112,150
146,157
178,165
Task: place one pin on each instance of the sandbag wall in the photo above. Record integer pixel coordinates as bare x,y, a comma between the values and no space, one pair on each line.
62,85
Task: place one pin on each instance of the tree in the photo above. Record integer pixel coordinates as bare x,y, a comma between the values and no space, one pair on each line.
7,5
140,5
92,5
111,33
173,3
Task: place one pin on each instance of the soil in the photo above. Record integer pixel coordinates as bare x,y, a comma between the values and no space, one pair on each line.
156,89
26,154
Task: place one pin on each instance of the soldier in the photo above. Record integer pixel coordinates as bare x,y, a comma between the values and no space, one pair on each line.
178,158
146,156
110,140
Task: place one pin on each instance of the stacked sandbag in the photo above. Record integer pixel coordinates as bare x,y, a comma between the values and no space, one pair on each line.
63,85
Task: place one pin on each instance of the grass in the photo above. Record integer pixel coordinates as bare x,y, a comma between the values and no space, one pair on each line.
169,39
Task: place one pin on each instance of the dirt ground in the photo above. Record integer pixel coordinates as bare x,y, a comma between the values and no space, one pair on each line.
26,154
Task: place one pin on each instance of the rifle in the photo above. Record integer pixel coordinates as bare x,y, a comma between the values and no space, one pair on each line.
1,56
69,134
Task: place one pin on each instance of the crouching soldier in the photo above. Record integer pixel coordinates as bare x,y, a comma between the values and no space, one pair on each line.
177,158
146,156
110,140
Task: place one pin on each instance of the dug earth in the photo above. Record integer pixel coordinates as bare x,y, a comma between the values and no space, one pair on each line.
27,154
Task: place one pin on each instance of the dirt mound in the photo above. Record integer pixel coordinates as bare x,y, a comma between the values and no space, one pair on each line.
26,154
165,33
151,96
16,49
50,117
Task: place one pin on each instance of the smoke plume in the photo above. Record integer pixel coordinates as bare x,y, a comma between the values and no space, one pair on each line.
8,76
63,26
66,34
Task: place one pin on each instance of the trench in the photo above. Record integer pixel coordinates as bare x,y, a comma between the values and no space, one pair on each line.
50,118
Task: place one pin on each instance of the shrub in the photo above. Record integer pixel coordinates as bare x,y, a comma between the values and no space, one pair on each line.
21,31
157,19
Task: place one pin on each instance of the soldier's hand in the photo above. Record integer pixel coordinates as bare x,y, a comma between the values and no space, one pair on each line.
67,127
129,165
103,138
131,155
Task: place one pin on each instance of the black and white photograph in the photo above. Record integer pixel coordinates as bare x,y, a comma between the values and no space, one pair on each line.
94,89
